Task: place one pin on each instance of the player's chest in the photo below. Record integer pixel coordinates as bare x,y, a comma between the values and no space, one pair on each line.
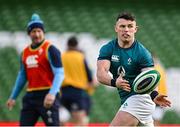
34,59
126,59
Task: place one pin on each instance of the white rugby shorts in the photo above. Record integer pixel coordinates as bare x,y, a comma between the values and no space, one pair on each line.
141,107
158,113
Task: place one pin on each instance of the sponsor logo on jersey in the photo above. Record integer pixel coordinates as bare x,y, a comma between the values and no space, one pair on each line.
31,61
115,58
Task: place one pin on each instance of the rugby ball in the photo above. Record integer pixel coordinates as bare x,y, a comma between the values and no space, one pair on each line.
146,81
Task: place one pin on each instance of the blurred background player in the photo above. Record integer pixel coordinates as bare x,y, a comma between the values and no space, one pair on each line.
78,79
41,68
162,89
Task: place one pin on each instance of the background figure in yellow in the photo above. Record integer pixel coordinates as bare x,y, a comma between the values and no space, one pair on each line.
162,89
78,79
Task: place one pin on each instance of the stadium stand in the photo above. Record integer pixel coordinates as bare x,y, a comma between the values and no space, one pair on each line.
158,26
157,29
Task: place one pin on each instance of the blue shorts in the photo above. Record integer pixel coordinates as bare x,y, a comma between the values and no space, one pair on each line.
33,108
75,99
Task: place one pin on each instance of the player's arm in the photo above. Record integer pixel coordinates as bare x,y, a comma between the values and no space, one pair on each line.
58,71
148,64
104,77
19,84
154,94
54,57
158,99
102,72
88,72
103,64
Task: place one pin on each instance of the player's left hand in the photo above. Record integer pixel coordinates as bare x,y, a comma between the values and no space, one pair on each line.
162,101
49,100
10,103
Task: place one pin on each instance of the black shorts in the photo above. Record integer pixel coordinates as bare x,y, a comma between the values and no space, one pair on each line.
75,99
33,108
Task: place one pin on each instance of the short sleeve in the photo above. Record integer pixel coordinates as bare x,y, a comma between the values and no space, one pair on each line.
55,56
105,52
146,59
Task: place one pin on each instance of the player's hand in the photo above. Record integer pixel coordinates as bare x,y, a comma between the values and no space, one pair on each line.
123,84
162,101
10,103
49,100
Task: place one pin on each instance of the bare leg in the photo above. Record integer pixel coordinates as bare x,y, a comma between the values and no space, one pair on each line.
80,118
124,119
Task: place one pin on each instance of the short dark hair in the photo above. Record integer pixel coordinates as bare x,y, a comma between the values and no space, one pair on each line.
127,16
72,42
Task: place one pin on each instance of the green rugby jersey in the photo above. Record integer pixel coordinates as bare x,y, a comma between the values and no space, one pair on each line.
130,61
